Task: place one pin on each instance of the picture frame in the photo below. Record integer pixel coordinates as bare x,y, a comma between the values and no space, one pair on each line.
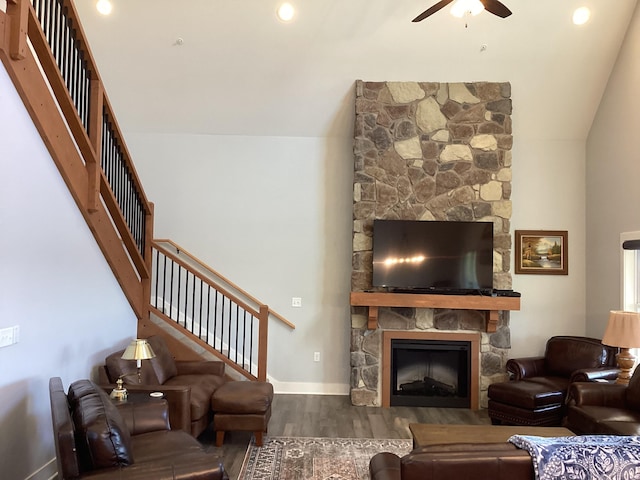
541,252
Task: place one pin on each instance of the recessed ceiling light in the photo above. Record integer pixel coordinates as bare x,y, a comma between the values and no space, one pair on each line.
581,16
286,12
104,7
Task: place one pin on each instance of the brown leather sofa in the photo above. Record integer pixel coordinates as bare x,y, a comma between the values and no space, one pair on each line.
96,439
495,461
535,395
187,385
604,408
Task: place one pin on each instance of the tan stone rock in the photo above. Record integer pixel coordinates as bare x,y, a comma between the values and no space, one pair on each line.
424,318
358,321
508,157
441,136
357,192
429,118
458,92
504,175
502,209
491,191
427,215
453,153
443,94
361,242
409,148
484,142
497,261
405,92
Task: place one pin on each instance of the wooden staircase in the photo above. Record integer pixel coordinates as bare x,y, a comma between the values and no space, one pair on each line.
46,54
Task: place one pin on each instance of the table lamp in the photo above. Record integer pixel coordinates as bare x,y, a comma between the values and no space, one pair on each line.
138,350
623,331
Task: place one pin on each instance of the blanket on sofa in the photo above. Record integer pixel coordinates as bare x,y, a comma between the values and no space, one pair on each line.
586,457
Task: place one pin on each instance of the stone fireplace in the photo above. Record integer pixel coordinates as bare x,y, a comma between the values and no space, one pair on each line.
429,151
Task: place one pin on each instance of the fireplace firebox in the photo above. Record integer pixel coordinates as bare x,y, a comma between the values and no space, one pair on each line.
430,373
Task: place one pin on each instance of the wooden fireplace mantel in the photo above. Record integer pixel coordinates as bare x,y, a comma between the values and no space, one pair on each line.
491,305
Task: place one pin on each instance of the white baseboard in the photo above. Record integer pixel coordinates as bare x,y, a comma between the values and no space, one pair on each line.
48,471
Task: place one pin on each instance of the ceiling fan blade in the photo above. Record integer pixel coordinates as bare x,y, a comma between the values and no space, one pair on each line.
432,10
496,7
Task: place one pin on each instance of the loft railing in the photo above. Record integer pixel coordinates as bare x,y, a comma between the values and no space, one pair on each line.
188,293
45,37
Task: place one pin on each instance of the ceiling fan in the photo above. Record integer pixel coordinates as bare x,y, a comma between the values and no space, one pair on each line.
492,6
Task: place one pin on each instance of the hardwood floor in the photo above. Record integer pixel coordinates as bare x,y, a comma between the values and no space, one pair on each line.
333,416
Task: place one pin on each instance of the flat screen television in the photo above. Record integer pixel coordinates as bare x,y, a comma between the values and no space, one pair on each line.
433,256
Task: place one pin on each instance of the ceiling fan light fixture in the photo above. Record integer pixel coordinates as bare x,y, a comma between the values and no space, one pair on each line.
581,16
286,12
465,7
104,7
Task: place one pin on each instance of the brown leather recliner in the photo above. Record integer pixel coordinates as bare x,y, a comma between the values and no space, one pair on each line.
495,461
97,439
536,394
604,408
187,385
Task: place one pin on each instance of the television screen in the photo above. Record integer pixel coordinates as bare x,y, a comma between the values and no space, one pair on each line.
433,255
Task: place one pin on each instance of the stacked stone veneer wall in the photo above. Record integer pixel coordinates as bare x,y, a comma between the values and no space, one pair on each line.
429,151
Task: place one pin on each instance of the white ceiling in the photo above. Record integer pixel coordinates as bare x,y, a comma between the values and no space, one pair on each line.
242,72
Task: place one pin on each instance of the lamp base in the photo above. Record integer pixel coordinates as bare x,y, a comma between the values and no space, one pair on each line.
119,393
626,360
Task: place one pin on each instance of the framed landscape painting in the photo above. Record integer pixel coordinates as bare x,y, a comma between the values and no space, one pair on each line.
542,252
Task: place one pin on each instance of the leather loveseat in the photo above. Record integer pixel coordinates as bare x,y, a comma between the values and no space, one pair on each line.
604,408
96,439
495,461
187,385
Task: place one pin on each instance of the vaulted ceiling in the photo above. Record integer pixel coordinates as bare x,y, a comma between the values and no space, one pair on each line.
230,67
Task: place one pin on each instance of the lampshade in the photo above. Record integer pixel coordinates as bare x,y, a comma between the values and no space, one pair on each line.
623,329
138,349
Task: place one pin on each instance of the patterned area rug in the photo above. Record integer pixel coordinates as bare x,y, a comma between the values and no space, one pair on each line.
298,458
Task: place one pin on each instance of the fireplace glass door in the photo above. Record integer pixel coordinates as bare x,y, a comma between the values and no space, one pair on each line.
430,373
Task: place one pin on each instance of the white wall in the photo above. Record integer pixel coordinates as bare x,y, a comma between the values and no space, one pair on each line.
548,194
56,286
613,173
272,214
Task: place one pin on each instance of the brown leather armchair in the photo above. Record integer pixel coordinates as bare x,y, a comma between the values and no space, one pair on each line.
604,408
187,385
536,393
95,438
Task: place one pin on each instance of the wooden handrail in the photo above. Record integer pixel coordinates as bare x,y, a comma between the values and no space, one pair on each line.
195,273
157,243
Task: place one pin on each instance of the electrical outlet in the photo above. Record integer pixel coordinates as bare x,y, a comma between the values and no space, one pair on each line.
316,356
9,336
296,302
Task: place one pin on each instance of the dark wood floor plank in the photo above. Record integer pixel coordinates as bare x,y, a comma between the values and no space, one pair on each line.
333,416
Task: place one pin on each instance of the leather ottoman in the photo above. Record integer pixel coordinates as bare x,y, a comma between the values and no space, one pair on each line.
525,403
243,406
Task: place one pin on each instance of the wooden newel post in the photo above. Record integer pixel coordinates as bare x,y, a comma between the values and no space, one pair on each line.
263,336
